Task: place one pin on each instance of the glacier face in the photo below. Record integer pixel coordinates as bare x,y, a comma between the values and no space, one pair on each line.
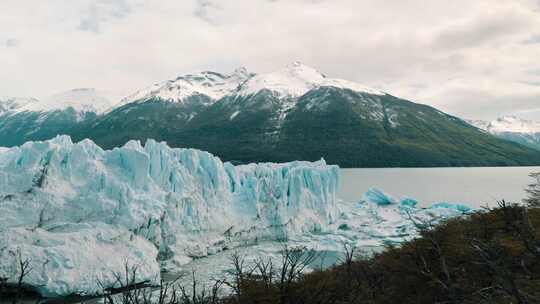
186,203
75,258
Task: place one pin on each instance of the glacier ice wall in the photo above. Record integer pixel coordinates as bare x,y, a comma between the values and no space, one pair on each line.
76,258
81,213
187,203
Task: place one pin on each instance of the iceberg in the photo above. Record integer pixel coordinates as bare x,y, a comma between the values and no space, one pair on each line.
185,203
408,202
379,197
445,205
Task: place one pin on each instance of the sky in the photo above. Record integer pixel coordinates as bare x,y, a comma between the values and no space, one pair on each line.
475,59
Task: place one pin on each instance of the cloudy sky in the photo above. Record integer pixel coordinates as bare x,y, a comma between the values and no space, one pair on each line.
476,59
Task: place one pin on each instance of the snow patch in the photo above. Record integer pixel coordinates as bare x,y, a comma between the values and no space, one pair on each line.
13,104
233,115
210,84
81,100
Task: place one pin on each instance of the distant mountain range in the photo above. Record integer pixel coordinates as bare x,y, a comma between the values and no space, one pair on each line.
24,119
294,113
512,128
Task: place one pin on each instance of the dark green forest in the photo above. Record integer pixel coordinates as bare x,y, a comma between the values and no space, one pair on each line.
347,128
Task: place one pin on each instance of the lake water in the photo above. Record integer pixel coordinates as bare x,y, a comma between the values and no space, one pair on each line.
476,187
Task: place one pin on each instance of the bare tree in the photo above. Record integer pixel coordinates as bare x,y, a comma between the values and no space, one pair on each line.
492,256
534,191
240,273
199,295
441,275
294,262
127,290
24,269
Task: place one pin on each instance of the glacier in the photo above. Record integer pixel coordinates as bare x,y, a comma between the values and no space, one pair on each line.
186,203
81,213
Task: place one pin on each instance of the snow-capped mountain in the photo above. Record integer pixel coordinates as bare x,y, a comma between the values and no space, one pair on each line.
23,119
512,128
510,124
292,113
81,100
292,81
297,112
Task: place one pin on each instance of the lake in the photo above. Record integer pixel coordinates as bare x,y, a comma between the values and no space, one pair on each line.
476,187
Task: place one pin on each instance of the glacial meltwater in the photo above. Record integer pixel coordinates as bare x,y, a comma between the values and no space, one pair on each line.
476,187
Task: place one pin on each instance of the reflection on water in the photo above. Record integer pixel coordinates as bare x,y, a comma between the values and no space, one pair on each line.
476,187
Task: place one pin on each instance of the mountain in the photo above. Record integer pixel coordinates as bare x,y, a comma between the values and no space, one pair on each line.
512,128
293,113
299,113
25,119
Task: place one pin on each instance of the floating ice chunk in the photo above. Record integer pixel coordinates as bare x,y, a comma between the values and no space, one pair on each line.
408,202
378,197
458,207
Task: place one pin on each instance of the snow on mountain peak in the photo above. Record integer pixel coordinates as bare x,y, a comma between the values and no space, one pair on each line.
295,80
292,81
508,124
10,104
514,124
211,84
82,100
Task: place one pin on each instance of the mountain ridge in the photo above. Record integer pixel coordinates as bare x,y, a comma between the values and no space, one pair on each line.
525,132
293,113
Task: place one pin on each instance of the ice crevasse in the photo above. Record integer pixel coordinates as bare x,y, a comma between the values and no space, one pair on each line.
145,205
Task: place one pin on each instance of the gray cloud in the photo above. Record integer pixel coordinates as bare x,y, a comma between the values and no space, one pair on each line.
531,83
477,32
203,10
532,40
91,22
102,11
11,43
475,103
